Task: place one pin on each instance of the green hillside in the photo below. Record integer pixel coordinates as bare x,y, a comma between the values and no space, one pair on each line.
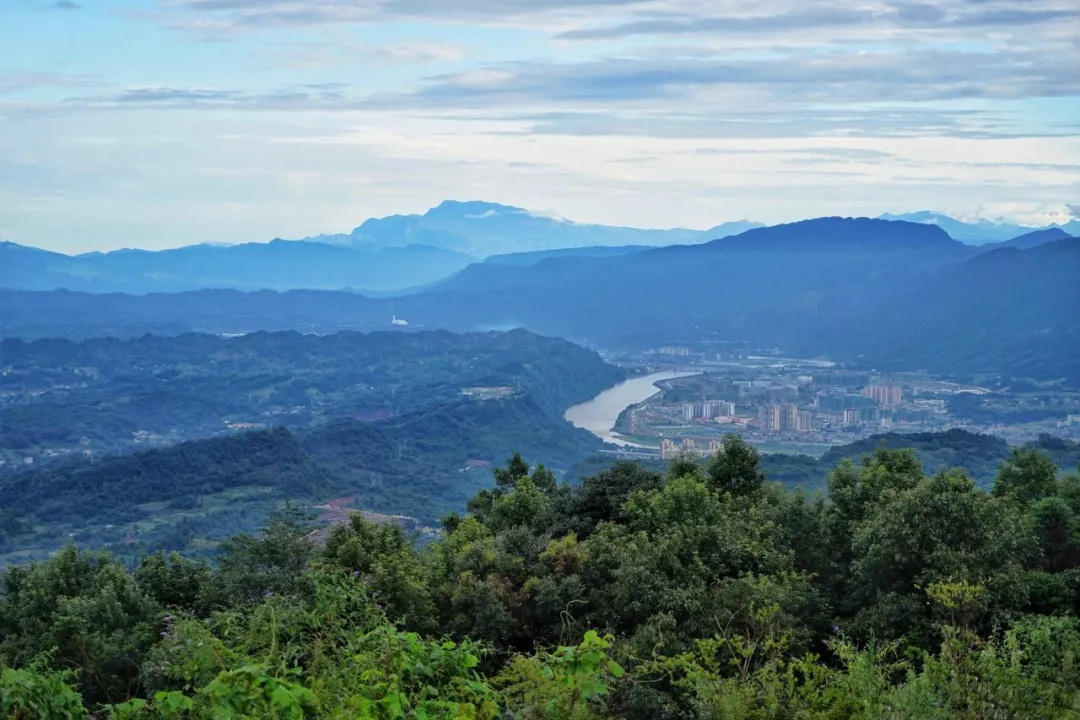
61,397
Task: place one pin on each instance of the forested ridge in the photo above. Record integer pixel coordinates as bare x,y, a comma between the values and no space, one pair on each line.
705,591
108,490
190,495
422,464
108,395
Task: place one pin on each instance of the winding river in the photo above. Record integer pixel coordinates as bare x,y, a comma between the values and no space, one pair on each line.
598,415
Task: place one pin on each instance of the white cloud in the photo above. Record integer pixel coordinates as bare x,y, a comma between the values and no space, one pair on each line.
319,113
260,175
345,54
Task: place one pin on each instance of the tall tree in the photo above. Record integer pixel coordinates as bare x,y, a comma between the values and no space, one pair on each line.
1056,528
272,562
942,530
1028,475
734,468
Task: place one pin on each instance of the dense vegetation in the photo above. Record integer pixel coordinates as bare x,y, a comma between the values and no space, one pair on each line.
402,422
980,455
422,464
431,461
705,592
108,395
108,488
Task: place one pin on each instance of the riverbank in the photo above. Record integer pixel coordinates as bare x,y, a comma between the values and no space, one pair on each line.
600,415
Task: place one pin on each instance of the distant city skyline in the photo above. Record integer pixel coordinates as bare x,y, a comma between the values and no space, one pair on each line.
162,123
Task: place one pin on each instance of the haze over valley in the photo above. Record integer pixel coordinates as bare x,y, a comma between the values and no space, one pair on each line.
91,372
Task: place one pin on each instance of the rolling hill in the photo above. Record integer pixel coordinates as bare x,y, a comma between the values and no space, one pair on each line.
422,464
62,397
526,259
167,441
767,286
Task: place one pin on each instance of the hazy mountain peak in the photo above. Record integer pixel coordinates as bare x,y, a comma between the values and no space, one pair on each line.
481,229
14,247
924,216
472,209
973,232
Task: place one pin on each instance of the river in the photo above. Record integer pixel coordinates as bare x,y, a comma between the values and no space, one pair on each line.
598,415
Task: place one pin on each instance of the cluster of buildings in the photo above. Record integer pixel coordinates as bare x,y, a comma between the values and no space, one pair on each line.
669,449
807,404
708,410
776,401
883,394
780,401
804,408
675,351
783,418
873,405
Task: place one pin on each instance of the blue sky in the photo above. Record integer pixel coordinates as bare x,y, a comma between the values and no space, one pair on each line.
157,123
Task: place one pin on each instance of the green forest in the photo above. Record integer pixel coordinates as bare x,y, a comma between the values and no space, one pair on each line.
980,455
192,495
107,395
704,591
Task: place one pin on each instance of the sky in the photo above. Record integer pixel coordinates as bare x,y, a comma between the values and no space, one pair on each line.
160,123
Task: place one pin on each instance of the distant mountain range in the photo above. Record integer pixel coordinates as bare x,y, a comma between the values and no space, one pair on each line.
874,293
772,286
405,253
482,229
277,265
1009,308
1030,240
978,232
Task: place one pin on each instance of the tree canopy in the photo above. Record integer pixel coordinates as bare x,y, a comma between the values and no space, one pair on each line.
708,592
